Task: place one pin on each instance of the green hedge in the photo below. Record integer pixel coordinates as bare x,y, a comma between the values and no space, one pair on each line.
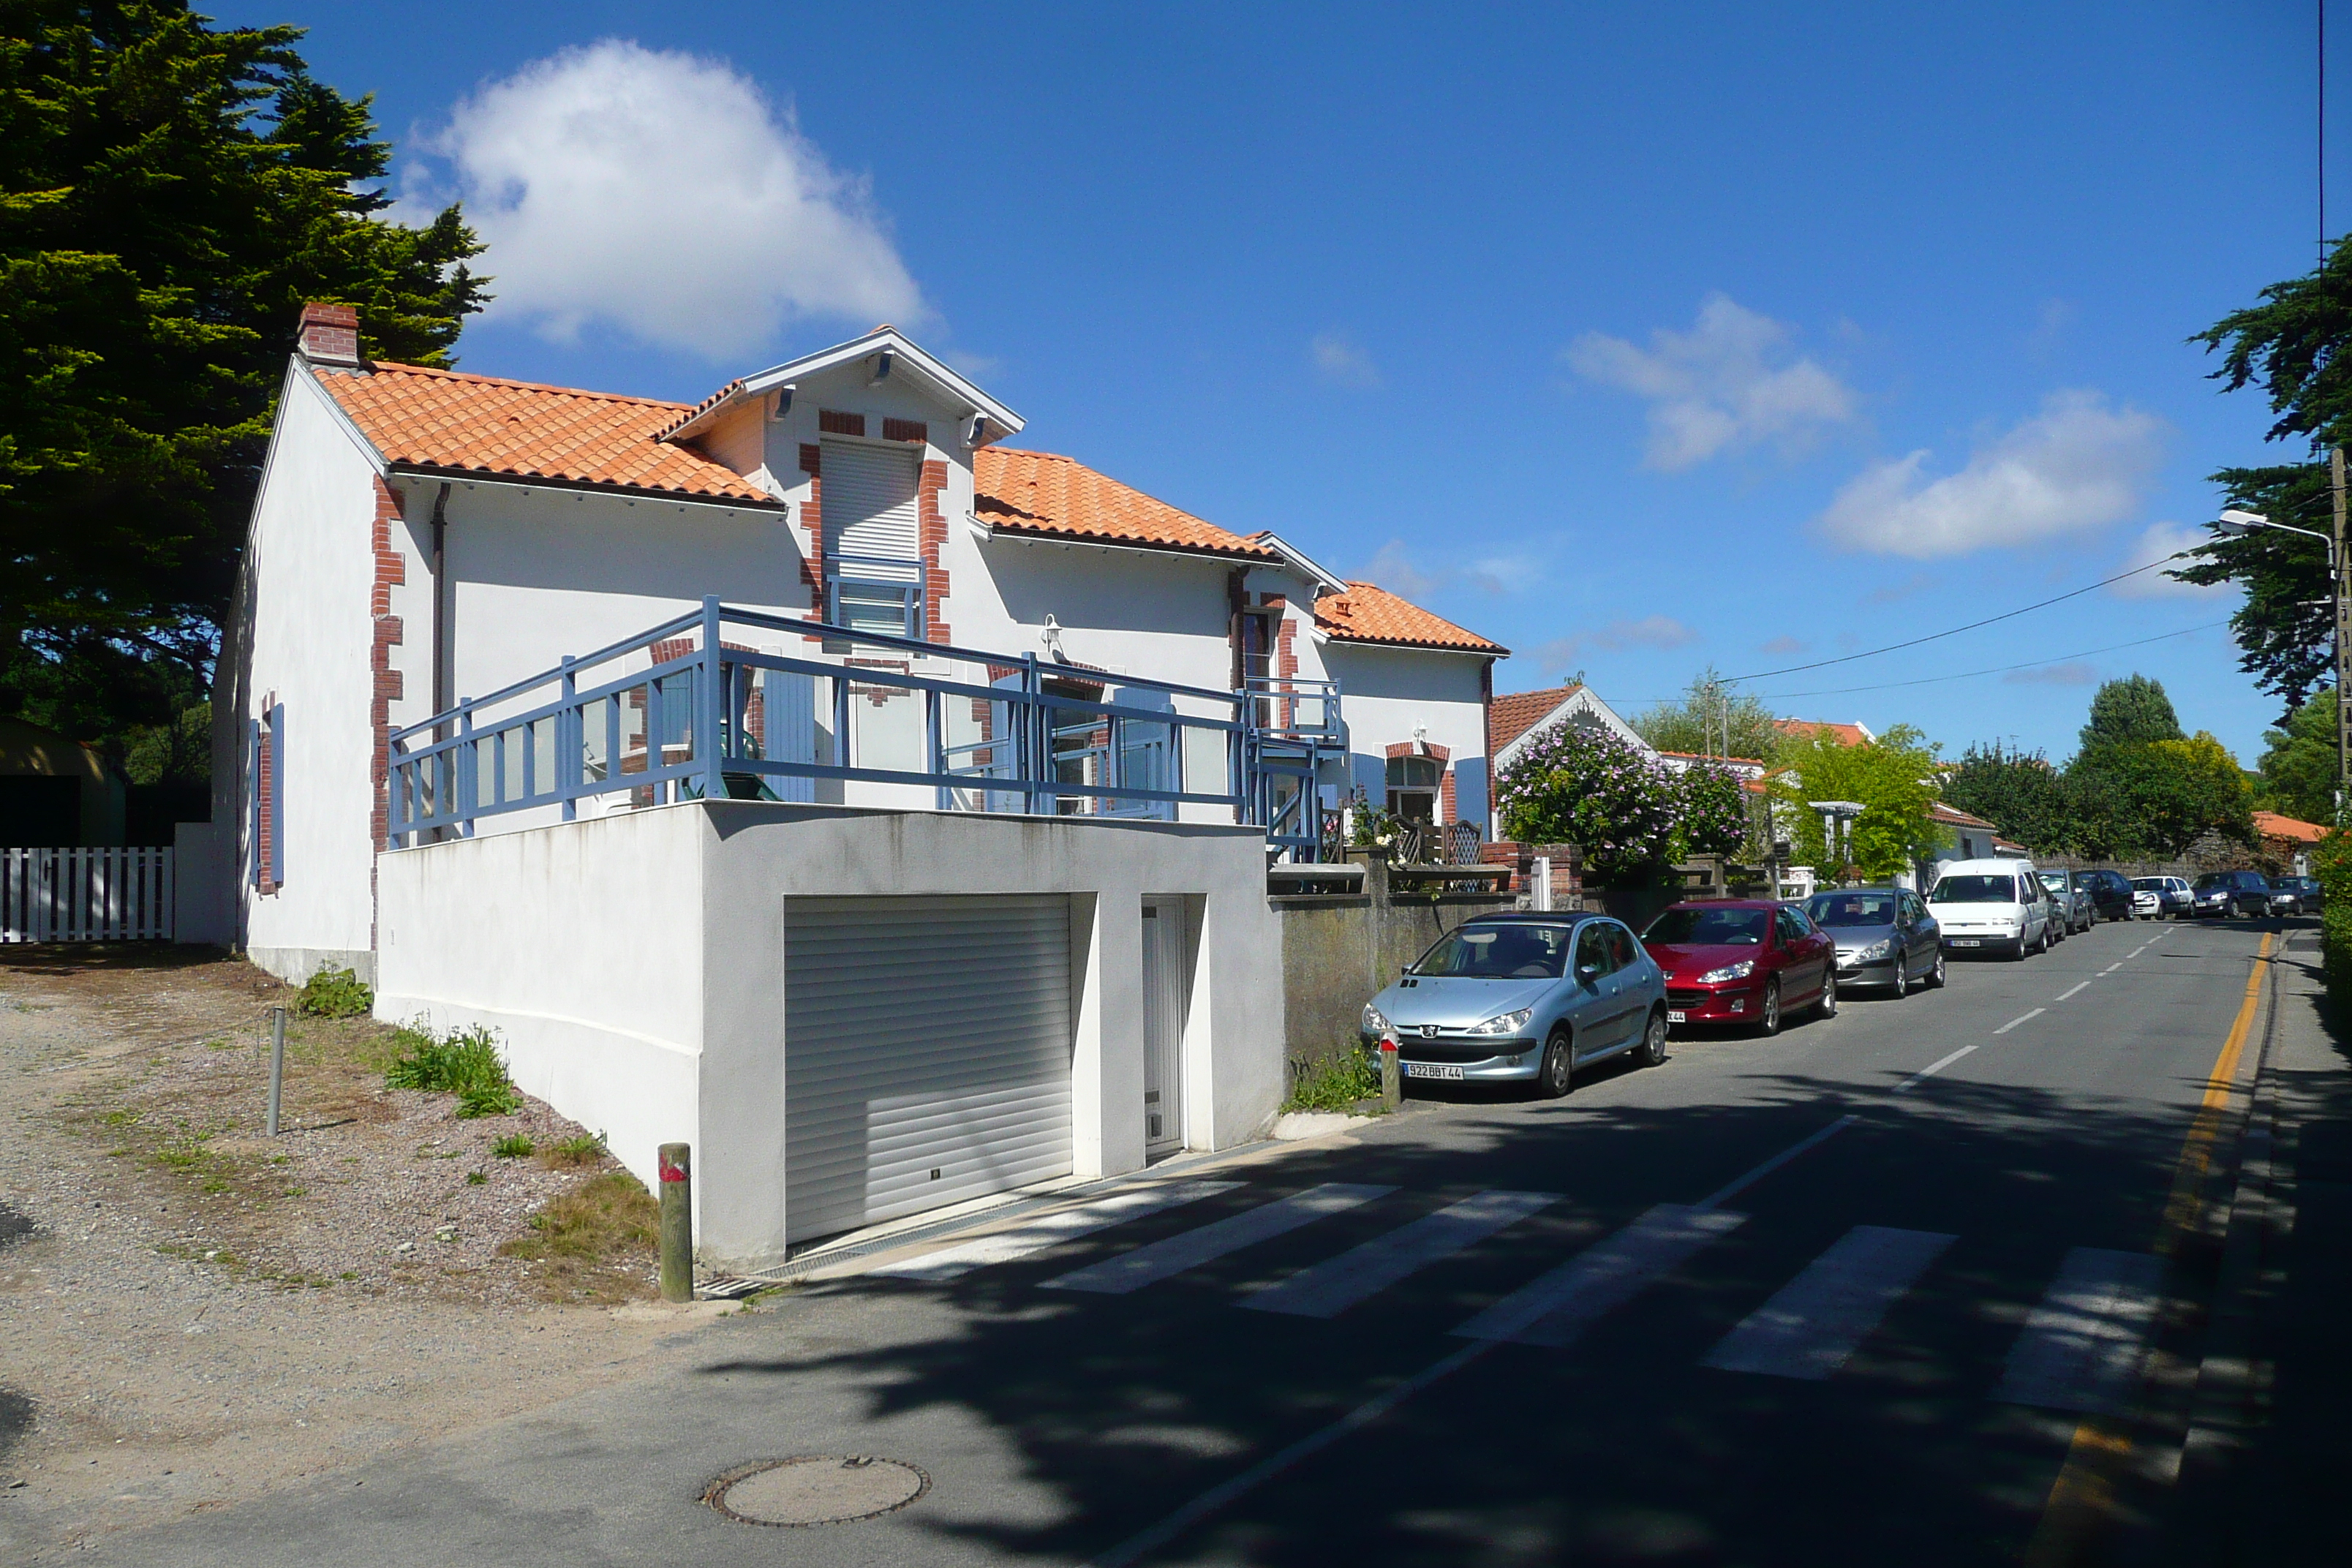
2331,862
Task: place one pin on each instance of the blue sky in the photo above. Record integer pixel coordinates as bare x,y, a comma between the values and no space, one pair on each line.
1636,338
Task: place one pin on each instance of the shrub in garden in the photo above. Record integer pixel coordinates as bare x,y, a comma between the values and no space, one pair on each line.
334,994
2331,862
465,1063
1586,787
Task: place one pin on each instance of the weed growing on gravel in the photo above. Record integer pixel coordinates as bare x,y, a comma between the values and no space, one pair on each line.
1335,1084
594,1242
335,993
579,1150
465,1063
514,1146
476,1179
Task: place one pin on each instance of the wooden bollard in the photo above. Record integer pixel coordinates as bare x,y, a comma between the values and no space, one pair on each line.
1392,1077
676,1221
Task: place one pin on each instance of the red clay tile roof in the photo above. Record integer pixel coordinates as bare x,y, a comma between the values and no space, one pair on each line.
482,425
1508,717
1953,817
1060,498
1370,613
2271,824
1807,729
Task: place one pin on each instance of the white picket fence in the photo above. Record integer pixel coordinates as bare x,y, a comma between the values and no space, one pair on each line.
85,895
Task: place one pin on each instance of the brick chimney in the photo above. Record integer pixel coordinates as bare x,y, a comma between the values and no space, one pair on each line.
330,335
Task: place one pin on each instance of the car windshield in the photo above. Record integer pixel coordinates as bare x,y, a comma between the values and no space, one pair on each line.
1851,909
1500,952
1709,928
2148,884
1975,888
2211,881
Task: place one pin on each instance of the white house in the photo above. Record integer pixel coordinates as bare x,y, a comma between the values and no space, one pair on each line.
433,546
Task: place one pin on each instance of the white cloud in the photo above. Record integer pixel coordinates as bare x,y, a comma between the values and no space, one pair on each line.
1650,631
2079,464
1783,645
1728,381
1341,361
2160,540
1393,568
660,193
2074,673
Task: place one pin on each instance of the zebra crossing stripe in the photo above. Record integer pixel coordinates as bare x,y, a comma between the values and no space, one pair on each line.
1554,1308
1814,1324
1161,1259
1330,1288
1049,1230
2081,1349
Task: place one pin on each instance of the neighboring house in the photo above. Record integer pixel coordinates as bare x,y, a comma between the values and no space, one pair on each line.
1746,770
56,791
1854,734
1515,717
2287,840
1964,837
424,536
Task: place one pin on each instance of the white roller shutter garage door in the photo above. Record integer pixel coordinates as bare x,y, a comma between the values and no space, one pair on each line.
927,1054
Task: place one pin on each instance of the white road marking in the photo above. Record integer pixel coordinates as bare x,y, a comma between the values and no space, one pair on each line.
1333,1286
1812,1326
1557,1307
2143,947
1756,1174
2070,991
1931,1070
2082,1347
1049,1230
1161,1259
2110,969
2025,1018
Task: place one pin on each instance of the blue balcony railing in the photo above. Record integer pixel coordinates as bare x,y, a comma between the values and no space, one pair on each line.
694,708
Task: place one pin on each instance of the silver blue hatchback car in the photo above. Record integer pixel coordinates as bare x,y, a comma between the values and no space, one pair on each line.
1523,998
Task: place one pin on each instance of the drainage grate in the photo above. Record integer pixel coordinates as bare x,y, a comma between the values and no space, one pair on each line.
815,1488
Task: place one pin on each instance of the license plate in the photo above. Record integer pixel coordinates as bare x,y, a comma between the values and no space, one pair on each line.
1675,1018
1431,1070
1967,941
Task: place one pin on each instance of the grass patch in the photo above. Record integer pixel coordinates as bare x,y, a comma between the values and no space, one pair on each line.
594,1243
579,1150
514,1146
334,994
1335,1083
465,1063
476,1179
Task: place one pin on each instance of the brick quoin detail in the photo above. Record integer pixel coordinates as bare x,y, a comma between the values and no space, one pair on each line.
905,430
933,531
1421,749
390,572
832,422
1445,797
813,519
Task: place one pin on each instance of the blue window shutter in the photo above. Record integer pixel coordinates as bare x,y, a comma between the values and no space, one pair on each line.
791,715
253,799
277,794
1470,792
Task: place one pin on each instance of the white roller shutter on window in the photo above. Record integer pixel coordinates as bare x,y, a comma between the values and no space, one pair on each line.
869,508
927,1054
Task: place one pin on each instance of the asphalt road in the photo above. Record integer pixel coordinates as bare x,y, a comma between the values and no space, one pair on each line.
1876,1350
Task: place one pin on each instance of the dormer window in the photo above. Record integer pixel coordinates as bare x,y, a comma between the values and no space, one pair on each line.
873,575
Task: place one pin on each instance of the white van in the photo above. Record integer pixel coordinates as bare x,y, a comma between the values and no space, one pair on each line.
1997,905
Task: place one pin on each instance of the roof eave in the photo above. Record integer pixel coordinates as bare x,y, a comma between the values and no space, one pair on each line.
912,358
1491,650
578,486
1153,546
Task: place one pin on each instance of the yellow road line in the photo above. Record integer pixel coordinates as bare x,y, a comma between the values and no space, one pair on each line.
2080,1497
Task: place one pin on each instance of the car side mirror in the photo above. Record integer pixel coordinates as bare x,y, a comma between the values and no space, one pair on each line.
1588,973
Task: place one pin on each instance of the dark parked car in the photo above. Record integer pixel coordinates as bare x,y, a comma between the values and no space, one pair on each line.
1742,961
2309,898
1885,936
2111,893
2240,894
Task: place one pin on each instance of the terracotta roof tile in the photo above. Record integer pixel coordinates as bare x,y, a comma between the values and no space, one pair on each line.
2271,824
1953,817
479,424
1370,613
1512,716
1055,497
1809,729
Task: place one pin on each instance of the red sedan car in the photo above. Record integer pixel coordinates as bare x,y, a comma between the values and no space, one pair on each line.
1742,961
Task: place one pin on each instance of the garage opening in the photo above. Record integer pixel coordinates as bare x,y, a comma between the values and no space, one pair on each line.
927,1054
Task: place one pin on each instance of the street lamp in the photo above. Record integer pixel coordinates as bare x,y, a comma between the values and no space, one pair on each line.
2240,522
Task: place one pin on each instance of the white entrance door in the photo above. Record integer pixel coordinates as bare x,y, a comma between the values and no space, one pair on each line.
1163,1026
927,1054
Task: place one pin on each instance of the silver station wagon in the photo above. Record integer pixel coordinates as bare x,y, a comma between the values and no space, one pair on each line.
1526,998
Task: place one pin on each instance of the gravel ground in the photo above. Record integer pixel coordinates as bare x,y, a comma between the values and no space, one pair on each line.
191,1313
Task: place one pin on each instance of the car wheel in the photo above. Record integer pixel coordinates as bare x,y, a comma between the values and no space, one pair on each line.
1902,975
1557,1074
1827,1007
1769,1023
2046,943
1935,975
1653,1038
2017,954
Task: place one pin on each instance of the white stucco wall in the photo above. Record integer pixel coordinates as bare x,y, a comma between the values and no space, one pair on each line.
310,570
1387,693
634,968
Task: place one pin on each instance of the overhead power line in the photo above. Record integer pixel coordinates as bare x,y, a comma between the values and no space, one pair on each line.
2000,670
1972,626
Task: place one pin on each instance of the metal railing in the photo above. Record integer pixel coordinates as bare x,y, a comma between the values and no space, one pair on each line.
689,708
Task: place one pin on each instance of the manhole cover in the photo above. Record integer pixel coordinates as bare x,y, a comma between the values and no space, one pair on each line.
815,1488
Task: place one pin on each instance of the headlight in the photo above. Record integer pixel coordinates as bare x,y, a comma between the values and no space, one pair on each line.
1878,951
1739,971
1374,1024
1505,1024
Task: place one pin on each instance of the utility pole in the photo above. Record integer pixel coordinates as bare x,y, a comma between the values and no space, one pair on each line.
2341,590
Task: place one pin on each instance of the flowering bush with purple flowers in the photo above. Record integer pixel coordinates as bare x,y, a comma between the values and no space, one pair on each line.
1714,810
1574,785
